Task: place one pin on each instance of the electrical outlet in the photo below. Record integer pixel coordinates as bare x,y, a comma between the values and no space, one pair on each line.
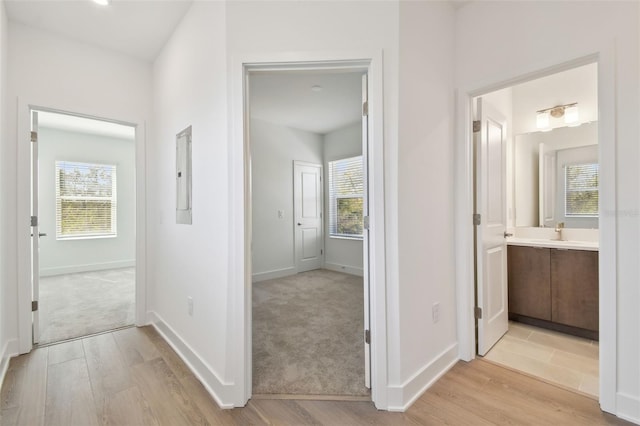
190,305
435,312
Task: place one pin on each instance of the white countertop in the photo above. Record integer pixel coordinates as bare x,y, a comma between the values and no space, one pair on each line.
568,245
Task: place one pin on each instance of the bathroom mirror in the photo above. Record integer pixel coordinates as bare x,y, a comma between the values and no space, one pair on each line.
555,177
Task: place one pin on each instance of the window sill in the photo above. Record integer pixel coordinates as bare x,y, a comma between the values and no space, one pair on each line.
85,237
342,237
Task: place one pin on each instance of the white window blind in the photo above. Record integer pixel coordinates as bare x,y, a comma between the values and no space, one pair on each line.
346,187
581,189
86,201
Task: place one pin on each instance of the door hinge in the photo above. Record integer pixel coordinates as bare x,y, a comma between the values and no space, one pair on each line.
366,222
365,109
367,337
34,306
321,252
477,126
477,312
34,220
476,219
34,136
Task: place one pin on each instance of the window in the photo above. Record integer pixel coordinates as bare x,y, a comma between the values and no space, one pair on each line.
85,200
581,193
346,187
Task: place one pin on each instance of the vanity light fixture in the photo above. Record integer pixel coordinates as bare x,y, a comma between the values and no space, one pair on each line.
568,111
571,115
542,120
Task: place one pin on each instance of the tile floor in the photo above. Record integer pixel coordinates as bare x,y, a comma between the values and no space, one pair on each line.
558,358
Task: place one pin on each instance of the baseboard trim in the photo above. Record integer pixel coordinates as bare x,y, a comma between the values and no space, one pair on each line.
344,268
401,397
91,267
9,350
271,275
207,376
628,407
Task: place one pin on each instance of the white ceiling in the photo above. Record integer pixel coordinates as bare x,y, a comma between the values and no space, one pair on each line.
287,99
137,28
74,123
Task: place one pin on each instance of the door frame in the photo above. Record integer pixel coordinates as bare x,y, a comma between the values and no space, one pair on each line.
295,227
605,59
23,209
240,207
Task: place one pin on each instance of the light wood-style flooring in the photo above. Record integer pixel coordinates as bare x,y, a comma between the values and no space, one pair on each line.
132,377
555,357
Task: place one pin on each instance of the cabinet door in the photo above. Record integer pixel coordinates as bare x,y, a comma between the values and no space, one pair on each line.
574,288
529,282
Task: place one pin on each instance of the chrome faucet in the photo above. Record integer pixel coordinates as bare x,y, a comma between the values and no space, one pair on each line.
559,228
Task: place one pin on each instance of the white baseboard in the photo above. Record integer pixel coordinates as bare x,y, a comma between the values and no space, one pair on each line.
73,269
217,388
401,397
628,407
344,268
271,275
9,350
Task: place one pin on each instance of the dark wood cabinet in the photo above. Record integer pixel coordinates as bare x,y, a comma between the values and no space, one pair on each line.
554,288
529,277
574,288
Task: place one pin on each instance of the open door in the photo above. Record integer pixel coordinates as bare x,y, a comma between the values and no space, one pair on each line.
491,226
307,205
35,234
365,233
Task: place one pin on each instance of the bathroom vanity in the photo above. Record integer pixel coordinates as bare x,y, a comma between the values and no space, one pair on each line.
554,284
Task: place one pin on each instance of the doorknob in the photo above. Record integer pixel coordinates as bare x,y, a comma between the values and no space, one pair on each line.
299,224
507,234
42,234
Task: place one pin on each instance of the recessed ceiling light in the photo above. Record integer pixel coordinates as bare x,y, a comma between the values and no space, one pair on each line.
102,2
316,88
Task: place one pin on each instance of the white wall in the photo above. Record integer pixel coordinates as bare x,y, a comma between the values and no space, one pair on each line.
5,203
486,56
190,88
425,200
274,148
79,255
50,71
341,254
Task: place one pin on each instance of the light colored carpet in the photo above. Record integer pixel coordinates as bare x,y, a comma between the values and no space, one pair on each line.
75,305
308,335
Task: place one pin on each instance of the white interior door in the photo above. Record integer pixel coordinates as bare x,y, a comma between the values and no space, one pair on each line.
307,205
35,232
491,249
365,233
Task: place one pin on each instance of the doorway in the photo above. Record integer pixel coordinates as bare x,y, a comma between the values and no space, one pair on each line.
309,200
536,234
83,209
